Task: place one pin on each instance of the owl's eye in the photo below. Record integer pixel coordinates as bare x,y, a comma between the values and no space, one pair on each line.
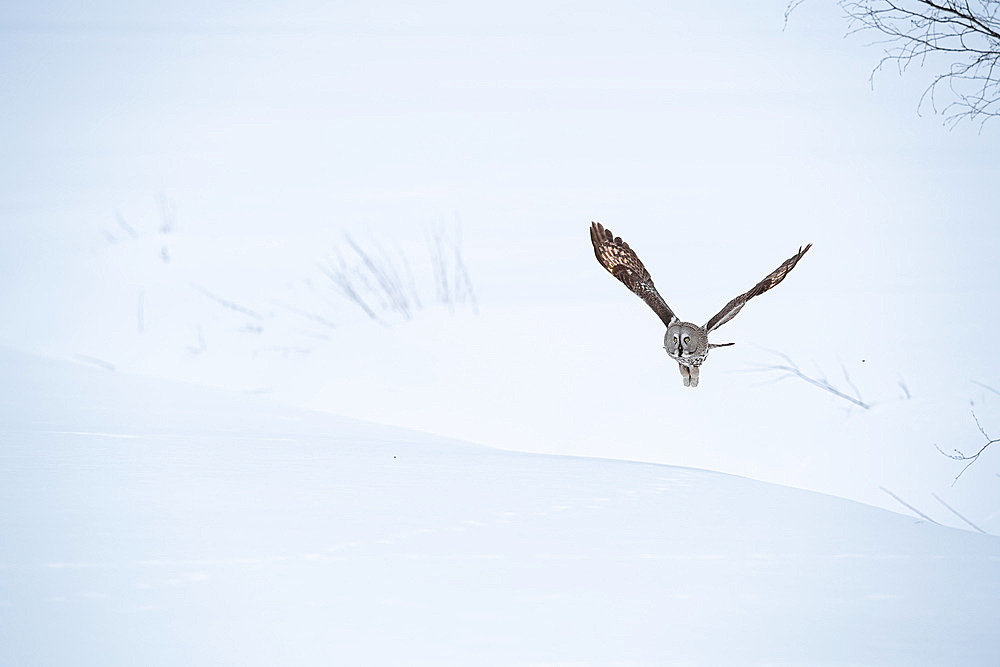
687,339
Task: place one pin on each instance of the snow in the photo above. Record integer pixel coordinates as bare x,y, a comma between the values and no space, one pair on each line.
211,455
156,523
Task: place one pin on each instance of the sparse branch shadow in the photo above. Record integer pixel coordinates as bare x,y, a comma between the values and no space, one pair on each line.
790,369
907,505
957,513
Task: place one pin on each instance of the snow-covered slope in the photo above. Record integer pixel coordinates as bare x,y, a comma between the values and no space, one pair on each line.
145,522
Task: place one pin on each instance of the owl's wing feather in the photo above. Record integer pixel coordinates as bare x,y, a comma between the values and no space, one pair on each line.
622,262
775,277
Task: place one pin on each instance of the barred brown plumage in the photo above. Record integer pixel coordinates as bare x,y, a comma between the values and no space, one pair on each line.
685,342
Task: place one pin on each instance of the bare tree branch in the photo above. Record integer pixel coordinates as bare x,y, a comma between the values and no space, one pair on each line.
959,456
792,4
962,35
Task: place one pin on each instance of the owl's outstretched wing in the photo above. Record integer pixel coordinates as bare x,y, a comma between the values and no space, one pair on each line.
775,277
622,262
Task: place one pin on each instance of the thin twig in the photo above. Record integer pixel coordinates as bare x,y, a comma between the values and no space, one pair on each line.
959,456
788,11
915,30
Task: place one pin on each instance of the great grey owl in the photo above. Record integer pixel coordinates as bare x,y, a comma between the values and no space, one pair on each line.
685,342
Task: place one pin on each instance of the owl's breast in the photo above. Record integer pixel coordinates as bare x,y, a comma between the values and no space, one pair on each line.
691,361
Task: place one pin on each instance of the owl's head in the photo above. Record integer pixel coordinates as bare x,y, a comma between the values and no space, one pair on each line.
684,340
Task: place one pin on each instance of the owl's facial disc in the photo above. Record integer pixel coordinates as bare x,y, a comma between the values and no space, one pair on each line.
674,341
684,341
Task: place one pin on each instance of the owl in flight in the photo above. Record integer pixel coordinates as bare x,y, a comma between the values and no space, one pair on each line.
685,342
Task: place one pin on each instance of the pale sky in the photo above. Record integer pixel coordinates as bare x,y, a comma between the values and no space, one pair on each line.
707,132
288,117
